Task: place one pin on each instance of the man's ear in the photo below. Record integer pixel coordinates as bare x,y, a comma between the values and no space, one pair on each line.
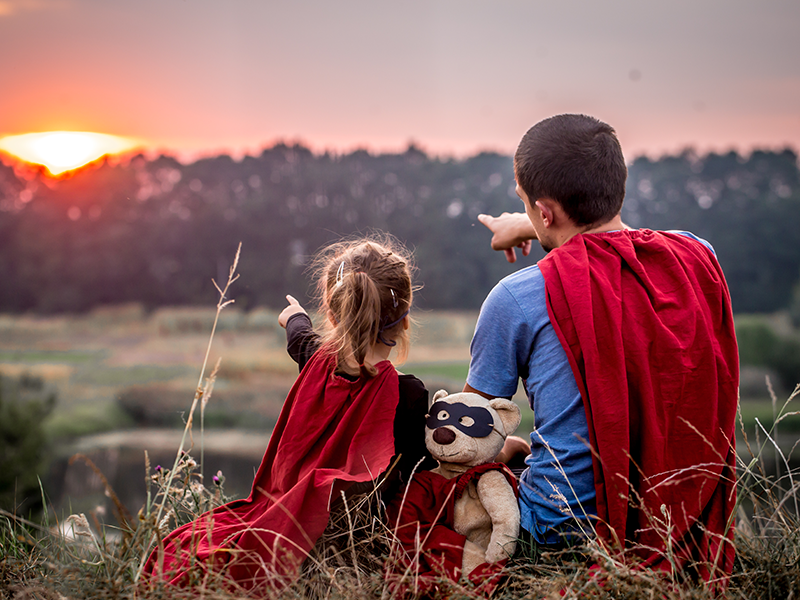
547,212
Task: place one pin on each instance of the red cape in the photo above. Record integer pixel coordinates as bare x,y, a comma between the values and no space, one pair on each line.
645,318
331,432
422,519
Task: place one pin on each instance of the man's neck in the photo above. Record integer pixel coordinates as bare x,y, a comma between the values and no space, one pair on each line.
615,224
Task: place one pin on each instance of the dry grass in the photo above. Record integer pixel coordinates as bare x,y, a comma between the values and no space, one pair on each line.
351,558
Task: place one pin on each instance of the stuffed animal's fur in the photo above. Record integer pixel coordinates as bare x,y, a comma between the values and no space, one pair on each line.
487,513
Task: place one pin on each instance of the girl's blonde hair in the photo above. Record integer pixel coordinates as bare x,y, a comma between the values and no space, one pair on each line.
364,287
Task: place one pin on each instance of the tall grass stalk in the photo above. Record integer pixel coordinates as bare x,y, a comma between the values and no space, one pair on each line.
200,392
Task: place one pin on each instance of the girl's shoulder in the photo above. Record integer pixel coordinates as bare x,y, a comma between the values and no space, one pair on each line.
409,379
412,391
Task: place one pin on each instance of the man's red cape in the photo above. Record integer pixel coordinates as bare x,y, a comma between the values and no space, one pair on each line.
423,521
645,318
331,432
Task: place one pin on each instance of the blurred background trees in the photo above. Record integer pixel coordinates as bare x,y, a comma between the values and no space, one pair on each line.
156,231
748,208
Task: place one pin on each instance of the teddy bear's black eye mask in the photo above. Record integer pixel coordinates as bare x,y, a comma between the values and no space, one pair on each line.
475,421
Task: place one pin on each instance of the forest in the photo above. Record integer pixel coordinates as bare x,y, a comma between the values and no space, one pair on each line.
156,231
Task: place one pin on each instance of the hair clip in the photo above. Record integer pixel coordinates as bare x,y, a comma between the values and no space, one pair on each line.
340,275
394,298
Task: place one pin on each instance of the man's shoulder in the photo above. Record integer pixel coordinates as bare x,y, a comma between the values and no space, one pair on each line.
694,237
518,298
523,289
523,280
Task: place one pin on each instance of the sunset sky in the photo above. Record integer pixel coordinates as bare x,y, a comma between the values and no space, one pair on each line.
195,77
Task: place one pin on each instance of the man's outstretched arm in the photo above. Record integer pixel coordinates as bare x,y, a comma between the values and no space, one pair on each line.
511,231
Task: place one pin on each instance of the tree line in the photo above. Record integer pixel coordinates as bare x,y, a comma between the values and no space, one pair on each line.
156,231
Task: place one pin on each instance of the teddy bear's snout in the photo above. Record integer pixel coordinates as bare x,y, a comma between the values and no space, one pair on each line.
443,436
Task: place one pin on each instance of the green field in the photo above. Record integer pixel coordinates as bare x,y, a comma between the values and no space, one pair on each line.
102,364
43,356
120,369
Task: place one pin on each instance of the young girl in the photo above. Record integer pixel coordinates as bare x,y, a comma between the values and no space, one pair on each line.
348,417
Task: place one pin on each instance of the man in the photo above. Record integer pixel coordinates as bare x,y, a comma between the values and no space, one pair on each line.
625,346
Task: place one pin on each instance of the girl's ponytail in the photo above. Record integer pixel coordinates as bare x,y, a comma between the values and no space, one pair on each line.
359,327
365,290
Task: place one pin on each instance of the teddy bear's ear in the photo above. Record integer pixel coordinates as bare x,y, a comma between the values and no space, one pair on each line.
438,396
509,413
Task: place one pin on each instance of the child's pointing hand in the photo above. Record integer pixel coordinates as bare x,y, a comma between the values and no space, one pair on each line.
293,308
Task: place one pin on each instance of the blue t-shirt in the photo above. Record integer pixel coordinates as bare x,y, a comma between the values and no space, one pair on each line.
515,340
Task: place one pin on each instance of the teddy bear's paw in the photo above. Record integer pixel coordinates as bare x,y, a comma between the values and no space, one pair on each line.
474,555
496,552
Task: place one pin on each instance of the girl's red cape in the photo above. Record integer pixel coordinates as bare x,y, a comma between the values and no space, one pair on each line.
330,433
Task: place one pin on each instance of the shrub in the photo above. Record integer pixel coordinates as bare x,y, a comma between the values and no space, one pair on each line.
24,403
761,346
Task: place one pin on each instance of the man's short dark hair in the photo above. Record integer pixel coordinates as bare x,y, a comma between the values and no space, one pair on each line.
577,161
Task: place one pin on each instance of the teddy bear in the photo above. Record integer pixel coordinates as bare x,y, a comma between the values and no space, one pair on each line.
463,514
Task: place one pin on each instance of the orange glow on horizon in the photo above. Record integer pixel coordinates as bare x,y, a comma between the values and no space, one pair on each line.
62,151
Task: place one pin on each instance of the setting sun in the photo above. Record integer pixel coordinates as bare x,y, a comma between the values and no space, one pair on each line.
62,151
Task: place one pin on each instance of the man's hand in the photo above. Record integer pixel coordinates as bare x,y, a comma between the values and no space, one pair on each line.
511,230
515,450
293,308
